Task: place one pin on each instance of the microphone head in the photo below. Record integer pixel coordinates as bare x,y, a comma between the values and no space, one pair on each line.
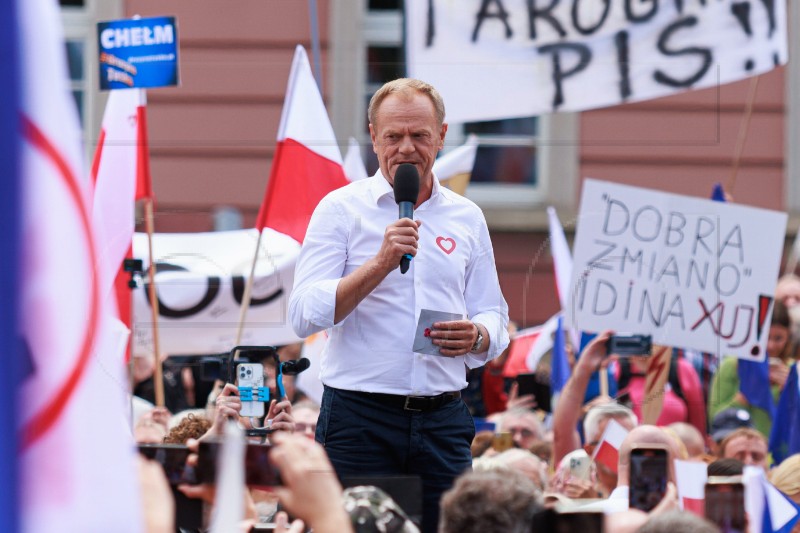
291,368
406,183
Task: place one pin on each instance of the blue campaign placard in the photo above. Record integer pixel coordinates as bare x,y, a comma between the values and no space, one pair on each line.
138,53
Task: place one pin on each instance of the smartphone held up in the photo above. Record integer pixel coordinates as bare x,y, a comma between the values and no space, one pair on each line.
259,471
649,467
725,503
630,345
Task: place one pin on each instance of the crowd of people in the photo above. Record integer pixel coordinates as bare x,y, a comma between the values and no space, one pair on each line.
390,411
523,468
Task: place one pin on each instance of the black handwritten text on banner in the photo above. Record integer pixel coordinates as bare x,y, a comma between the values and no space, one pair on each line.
692,272
200,284
511,58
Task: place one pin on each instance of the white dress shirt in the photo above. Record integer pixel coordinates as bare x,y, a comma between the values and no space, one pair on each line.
453,271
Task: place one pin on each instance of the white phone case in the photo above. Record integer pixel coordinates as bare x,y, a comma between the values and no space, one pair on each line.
579,467
251,375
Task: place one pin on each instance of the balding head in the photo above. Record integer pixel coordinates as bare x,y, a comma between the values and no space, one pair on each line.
644,436
691,438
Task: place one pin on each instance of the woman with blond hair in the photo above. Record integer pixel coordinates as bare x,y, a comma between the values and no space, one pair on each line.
786,478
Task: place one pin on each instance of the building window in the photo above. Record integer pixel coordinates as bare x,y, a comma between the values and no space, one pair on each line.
79,19
75,63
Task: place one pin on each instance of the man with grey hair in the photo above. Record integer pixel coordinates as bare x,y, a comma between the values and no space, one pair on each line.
387,409
594,425
525,427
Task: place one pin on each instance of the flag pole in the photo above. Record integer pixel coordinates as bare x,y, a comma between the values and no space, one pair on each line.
247,296
260,224
315,47
743,129
158,375
158,378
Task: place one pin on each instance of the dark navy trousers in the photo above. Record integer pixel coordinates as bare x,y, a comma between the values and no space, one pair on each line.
367,438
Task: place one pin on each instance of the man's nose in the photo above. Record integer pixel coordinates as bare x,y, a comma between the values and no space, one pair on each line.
406,146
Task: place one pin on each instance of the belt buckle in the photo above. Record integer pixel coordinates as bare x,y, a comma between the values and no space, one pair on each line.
409,398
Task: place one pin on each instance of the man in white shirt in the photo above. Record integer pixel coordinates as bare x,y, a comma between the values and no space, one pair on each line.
387,410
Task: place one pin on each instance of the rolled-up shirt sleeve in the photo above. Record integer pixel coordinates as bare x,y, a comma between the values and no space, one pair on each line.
319,269
484,299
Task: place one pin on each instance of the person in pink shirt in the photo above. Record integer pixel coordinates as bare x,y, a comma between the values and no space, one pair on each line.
683,401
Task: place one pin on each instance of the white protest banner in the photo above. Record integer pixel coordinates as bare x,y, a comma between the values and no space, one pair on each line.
495,59
200,282
692,272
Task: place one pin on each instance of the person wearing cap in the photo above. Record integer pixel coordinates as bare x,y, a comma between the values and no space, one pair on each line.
726,422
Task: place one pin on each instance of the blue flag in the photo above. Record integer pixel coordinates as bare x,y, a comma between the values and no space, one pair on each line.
717,193
10,247
559,373
754,384
785,438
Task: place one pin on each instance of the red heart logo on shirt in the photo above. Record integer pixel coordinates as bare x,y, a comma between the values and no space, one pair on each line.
446,244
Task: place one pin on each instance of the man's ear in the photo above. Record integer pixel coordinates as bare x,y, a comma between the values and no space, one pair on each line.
373,137
442,136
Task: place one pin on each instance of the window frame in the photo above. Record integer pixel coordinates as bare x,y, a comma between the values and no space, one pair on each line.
80,23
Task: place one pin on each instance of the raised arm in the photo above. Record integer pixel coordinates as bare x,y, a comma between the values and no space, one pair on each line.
568,410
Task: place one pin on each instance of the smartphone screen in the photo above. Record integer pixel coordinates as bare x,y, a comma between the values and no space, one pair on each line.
648,477
172,458
530,384
553,521
725,505
584,522
258,471
206,468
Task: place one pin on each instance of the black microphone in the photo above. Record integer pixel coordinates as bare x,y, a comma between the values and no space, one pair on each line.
292,368
406,191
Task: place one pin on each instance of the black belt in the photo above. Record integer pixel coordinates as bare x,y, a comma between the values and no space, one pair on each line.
413,403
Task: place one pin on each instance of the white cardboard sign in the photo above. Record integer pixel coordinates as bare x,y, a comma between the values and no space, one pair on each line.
694,273
495,59
200,285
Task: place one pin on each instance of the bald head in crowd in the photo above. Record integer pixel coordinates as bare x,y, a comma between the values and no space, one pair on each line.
691,438
644,436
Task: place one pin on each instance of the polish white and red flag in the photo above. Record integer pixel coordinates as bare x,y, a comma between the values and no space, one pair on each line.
607,451
307,163
691,476
528,346
562,266
71,470
120,175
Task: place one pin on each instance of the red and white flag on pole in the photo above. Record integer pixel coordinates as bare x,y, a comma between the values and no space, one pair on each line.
562,265
691,476
528,347
76,452
120,174
307,164
607,450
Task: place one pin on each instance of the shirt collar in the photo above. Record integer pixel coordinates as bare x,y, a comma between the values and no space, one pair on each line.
379,187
